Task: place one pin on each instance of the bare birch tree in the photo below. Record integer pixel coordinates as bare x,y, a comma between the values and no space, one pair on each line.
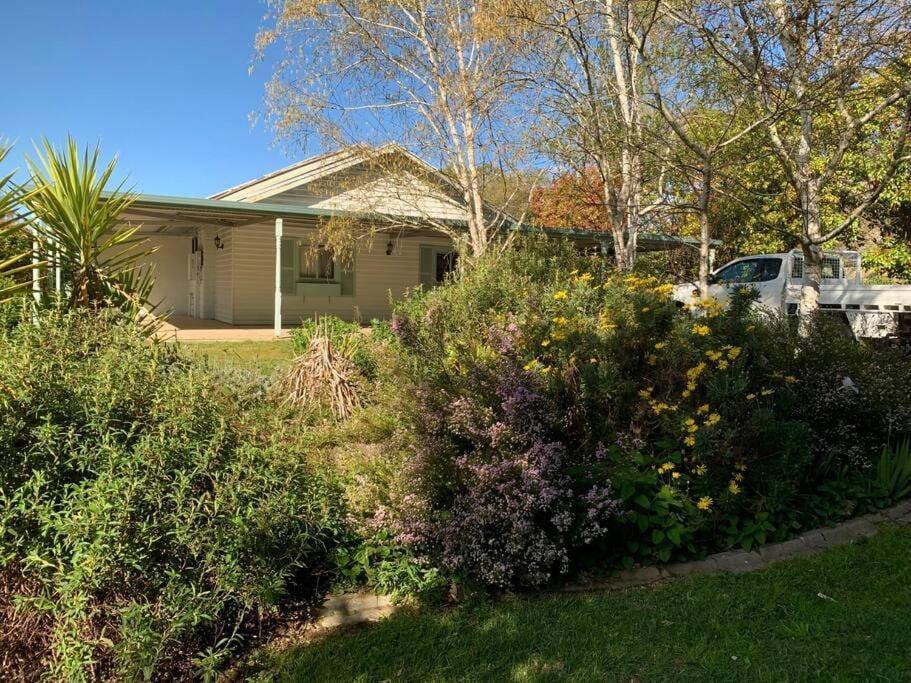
438,76
817,59
593,112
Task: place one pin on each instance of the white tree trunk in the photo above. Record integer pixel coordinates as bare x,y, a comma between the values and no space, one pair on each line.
809,290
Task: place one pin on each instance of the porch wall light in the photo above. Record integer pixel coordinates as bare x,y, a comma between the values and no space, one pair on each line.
219,244
389,247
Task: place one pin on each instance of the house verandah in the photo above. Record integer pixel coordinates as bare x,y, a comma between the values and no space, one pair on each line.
247,264
227,270
248,259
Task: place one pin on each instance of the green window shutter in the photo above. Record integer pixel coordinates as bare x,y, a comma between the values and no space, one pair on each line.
346,278
288,270
428,267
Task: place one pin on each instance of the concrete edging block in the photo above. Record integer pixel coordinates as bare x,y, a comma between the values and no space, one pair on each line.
898,511
353,608
849,531
739,561
776,552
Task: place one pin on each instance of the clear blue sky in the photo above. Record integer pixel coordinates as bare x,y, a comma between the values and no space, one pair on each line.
162,83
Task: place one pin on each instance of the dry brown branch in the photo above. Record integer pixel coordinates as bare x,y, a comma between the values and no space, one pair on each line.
322,376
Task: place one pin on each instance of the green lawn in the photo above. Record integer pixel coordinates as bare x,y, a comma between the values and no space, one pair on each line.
263,356
841,616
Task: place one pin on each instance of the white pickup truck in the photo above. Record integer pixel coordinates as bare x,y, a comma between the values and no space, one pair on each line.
871,311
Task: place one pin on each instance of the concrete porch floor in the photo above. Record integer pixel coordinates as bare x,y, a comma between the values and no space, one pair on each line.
183,328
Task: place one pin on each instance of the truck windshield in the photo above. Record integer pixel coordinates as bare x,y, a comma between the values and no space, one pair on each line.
751,270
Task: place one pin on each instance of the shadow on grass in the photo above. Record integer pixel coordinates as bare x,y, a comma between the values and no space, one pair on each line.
844,615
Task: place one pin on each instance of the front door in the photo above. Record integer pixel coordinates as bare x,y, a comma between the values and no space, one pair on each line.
195,281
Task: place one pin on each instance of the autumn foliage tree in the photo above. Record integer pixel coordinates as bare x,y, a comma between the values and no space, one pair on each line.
572,200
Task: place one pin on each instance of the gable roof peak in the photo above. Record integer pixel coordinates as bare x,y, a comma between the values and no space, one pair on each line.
320,165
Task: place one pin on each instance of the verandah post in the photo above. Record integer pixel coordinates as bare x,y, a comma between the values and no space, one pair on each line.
36,273
278,277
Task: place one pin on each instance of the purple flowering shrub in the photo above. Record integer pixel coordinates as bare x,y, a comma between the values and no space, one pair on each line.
502,506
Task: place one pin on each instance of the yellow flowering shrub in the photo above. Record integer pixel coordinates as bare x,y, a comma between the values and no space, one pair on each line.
688,415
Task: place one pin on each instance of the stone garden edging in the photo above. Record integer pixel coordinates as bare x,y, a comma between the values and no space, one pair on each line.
353,608
740,561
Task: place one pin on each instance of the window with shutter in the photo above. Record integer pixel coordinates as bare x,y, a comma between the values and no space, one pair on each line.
288,265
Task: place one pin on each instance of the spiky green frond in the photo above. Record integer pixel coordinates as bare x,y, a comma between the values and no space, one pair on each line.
79,218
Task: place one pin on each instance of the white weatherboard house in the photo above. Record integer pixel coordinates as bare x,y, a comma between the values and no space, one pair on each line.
246,256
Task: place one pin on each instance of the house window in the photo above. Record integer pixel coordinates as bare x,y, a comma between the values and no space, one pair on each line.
317,263
435,264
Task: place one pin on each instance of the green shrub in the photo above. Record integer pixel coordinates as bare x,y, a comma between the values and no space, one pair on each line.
388,567
853,396
544,394
153,509
893,471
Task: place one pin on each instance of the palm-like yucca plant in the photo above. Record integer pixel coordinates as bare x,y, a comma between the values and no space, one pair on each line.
78,221
11,224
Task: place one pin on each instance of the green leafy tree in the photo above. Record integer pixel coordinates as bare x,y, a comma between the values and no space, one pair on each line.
805,64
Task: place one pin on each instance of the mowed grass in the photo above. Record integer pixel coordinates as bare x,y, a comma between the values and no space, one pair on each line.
841,616
262,356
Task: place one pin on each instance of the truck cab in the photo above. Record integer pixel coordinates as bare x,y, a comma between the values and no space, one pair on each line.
764,273
871,311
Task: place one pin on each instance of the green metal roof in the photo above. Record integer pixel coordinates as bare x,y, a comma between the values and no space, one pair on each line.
224,206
